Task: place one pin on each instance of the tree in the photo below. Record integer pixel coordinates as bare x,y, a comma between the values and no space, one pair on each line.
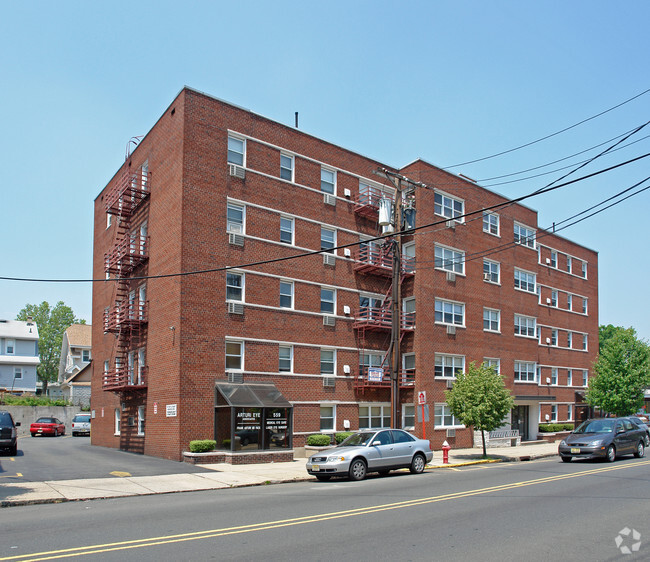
479,398
622,372
51,323
605,333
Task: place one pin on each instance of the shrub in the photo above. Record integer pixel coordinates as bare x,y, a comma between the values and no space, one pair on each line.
202,445
11,400
318,440
341,436
555,427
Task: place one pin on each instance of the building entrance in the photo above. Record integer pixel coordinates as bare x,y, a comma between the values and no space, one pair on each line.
519,420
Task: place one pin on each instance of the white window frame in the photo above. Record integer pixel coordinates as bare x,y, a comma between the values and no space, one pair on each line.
448,365
142,355
10,344
449,259
525,326
525,235
554,337
531,368
231,275
553,412
491,223
492,315
554,298
141,420
493,270
328,240
569,412
332,417
584,305
85,355
107,367
585,378
569,302
326,181
569,264
522,281
375,412
232,152
230,354
323,302
287,221
290,294
409,311
585,342
569,340
408,413
235,226
445,205
493,362
583,271
554,376
442,414
324,360
109,220
118,421
443,304
289,349
18,373
553,259
290,167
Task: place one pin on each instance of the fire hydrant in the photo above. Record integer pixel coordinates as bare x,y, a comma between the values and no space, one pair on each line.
445,452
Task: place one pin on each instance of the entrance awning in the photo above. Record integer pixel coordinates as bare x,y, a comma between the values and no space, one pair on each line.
249,395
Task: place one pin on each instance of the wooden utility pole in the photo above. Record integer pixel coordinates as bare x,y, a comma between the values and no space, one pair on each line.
396,312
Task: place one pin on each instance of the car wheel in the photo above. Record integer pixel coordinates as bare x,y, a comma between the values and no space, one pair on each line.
611,453
417,464
640,450
323,477
56,433
358,469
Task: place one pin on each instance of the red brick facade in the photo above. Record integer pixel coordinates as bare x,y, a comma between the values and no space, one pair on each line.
174,350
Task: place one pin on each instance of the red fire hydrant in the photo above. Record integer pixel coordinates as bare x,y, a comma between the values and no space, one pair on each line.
445,452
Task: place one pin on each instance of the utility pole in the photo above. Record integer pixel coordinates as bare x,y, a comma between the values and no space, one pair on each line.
396,312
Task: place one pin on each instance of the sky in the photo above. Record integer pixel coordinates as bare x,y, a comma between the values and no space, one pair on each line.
451,82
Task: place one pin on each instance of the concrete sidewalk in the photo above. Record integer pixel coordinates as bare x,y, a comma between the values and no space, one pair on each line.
226,476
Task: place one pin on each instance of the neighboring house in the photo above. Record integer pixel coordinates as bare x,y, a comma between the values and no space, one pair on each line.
76,355
76,389
19,357
213,185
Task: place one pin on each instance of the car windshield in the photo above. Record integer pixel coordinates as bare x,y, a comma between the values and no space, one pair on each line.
357,439
596,426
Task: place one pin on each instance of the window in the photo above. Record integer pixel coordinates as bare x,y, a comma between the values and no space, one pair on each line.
447,206
584,306
234,355
327,239
327,300
568,264
286,294
490,223
286,167
494,363
447,312
142,301
141,365
408,363
10,347
18,373
109,220
554,412
569,301
369,307
408,416
450,260
584,269
524,236
107,366
408,308
553,258
130,365
525,371
327,417
235,218
569,414
585,378
584,342
491,320
286,359
553,337
234,287
327,181
140,420
525,281
327,360
144,174
286,230
554,376
525,326
554,298
569,379
118,424
236,150
491,271
446,366
408,257
374,416
442,416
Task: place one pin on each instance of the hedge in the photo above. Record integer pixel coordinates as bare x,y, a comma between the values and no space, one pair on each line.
319,440
202,445
555,427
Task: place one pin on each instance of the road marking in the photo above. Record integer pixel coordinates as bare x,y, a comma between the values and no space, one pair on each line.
17,475
214,533
120,474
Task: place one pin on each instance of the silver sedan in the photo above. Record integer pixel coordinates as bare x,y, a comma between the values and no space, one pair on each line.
371,451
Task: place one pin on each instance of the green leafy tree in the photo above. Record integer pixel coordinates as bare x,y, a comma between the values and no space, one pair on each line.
479,398
607,332
622,372
51,323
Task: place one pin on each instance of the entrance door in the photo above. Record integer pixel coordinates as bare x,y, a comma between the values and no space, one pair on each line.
520,421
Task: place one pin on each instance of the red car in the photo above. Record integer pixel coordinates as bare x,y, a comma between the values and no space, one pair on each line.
47,426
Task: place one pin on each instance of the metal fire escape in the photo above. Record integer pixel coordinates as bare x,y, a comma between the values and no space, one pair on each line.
126,318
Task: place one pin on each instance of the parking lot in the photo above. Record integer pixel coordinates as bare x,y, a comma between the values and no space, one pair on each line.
67,458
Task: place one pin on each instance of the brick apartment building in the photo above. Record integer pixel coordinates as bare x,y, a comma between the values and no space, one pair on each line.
214,185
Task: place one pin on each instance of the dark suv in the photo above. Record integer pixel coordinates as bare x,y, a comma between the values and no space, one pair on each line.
8,433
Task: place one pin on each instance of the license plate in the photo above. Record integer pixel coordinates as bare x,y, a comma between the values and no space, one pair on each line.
575,450
40,431
315,467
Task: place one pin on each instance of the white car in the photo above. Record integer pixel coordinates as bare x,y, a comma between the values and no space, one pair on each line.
81,424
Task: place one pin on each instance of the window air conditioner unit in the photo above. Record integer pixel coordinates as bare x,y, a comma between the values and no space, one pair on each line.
451,223
329,199
346,369
347,252
329,321
235,377
329,382
235,239
450,384
347,193
235,308
451,276
451,433
486,277
236,171
346,310
329,259
451,330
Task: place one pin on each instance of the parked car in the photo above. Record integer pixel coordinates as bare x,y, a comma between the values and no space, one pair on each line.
603,438
371,451
47,426
8,433
81,424
638,421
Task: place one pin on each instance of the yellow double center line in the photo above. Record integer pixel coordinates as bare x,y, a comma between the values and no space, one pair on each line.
214,533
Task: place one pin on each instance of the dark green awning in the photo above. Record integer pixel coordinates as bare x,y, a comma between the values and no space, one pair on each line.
250,395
